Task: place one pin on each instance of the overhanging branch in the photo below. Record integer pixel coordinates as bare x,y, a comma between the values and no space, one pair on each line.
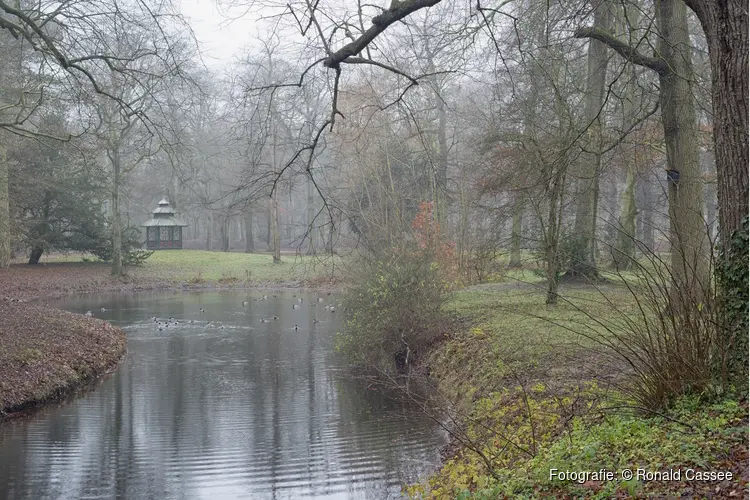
631,54
380,23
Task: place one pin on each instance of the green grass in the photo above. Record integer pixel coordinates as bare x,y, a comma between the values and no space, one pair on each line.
512,332
202,266
533,392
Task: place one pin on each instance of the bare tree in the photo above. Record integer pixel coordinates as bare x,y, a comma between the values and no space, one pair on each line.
673,64
74,39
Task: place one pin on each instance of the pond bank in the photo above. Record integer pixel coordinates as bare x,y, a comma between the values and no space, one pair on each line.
47,354
529,394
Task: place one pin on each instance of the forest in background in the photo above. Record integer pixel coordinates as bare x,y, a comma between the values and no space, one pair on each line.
431,145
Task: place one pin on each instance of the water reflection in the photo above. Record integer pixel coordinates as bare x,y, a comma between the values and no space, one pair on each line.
219,405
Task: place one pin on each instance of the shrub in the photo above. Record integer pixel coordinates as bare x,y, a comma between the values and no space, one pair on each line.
395,299
132,253
394,306
675,342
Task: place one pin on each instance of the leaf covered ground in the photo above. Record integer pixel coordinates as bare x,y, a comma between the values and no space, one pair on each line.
47,353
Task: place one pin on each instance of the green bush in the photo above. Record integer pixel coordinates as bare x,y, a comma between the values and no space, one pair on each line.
132,253
394,311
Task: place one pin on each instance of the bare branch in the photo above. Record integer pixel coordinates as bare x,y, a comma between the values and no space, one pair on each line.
397,12
631,54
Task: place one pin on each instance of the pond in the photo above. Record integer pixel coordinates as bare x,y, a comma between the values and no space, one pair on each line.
223,402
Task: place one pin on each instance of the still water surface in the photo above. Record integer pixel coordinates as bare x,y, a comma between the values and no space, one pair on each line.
220,406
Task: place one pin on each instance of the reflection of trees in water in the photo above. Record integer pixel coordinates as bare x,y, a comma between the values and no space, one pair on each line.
256,410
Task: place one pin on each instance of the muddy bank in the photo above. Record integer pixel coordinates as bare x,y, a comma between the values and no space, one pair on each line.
46,354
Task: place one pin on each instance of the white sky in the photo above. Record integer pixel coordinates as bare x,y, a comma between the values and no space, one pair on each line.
222,32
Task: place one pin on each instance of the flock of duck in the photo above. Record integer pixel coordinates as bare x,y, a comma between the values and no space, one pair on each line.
166,323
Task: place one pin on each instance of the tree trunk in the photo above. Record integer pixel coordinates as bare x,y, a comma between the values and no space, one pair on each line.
624,253
36,254
224,233
689,240
515,233
440,172
210,232
275,232
583,255
646,217
726,26
249,239
310,216
268,224
116,218
4,211
552,238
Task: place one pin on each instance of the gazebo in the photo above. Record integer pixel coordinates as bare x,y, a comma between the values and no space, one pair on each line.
164,229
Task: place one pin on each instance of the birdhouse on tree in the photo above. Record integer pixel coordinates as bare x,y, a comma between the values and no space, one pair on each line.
164,229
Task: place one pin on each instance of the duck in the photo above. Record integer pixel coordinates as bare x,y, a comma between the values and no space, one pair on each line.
296,327
299,300
316,321
102,309
154,319
295,306
321,299
160,328
265,297
275,317
244,302
264,320
202,310
333,309
88,314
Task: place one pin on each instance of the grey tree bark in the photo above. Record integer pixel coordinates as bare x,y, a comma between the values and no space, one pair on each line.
4,211
673,63
114,157
516,228
725,24
583,258
689,240
310,209
249,238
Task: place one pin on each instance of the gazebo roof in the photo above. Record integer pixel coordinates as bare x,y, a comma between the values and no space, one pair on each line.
164,208
165,216
166,221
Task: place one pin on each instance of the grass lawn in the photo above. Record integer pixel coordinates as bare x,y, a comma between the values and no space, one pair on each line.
200,266
531,390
